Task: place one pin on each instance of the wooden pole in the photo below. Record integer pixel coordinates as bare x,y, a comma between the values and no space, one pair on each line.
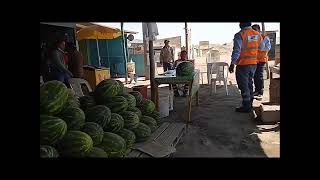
186,31
124,53
263,28
267,64
145,50
152,69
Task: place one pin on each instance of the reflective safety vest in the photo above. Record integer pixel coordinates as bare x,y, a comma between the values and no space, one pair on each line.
262,55
251,40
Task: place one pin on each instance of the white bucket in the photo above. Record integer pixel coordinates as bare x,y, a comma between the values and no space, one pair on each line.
164,106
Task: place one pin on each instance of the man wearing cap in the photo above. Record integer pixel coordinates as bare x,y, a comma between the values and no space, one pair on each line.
166,56
245,50
262,59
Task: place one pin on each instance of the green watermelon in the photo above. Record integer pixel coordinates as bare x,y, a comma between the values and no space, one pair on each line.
156,115
131,100
105,90
117,104
99,114
53,96
95,131
185,69
142,132
149,121
75,144
131,119
71,93
138,96
122,89
52,129
113,144
72,100
135,110
97,153
86,102
128,136
74,117
147,107
48,152
116,123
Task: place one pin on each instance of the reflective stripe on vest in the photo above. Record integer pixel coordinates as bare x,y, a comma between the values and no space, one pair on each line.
249,47
262,56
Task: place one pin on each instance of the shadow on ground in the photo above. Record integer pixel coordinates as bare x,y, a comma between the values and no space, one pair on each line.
216,129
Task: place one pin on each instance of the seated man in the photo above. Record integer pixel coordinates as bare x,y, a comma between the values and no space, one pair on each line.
182,87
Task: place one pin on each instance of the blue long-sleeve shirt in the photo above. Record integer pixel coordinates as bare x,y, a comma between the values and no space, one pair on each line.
237,41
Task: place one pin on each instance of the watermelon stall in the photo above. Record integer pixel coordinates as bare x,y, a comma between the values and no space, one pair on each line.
105,124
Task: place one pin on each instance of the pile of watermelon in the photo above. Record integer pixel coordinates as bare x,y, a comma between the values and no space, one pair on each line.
104,124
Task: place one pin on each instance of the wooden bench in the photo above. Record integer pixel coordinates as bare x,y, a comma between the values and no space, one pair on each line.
168,134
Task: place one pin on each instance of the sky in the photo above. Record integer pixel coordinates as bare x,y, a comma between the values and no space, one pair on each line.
216,33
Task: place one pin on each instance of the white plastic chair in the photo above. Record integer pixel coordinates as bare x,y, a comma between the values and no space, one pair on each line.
76,85
218,72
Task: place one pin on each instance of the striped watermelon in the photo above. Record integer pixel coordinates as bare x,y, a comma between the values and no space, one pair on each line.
128,136
142,132
185,69
95,131
122,89
97,153
99,114
72,100
75,144
117,104
147,107
135,110
149,121
116,123
52,129
138,96
131,119
48,152
156,115
53,96
113,144
105,90
131,100
86,102
74,117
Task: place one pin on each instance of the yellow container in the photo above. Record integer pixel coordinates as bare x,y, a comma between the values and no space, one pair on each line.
95,75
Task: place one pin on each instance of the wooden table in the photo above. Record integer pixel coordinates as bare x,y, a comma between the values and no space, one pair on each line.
193,84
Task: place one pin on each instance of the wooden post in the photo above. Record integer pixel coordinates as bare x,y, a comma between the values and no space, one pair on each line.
125,54
267,64
152,72
186,31
145,50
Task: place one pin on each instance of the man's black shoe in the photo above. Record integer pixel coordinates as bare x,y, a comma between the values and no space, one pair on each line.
243,110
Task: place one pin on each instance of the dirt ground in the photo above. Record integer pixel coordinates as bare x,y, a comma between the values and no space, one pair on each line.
216,129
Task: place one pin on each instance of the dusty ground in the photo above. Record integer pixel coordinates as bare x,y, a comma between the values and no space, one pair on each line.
217,130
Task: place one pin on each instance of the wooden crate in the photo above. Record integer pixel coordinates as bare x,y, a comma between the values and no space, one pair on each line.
274,90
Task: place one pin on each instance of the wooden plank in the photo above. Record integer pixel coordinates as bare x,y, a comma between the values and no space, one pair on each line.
134,153
175,135
144,155
166,134
159,131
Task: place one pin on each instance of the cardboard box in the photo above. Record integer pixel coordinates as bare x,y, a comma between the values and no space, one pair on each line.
95,75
